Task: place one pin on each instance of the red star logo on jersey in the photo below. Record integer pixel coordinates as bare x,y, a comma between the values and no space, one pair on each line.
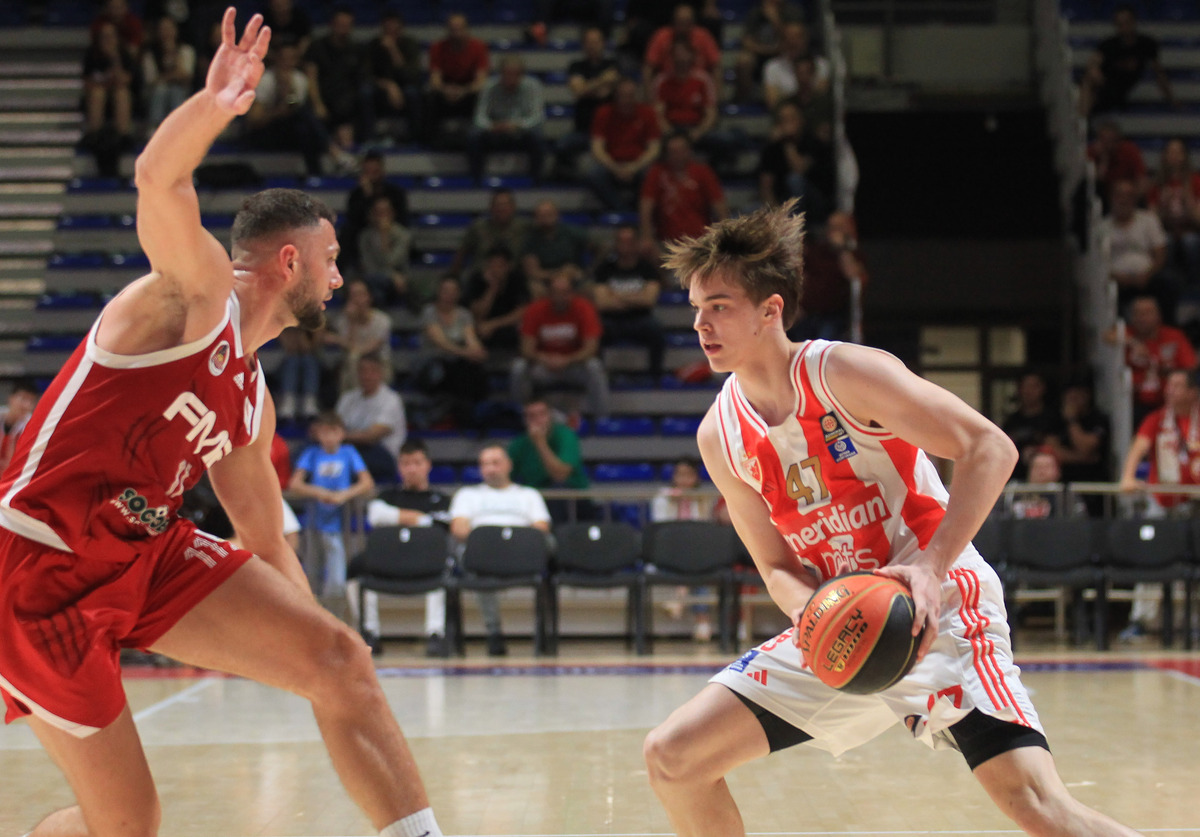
753,467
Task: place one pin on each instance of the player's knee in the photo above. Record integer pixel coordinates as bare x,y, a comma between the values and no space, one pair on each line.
666,755
1043,813
343,673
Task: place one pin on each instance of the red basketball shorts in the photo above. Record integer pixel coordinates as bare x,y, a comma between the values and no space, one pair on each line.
64,619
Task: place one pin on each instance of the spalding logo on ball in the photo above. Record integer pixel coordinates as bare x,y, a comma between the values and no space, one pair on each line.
856,632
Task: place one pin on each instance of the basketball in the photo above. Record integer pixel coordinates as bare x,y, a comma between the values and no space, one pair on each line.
856,632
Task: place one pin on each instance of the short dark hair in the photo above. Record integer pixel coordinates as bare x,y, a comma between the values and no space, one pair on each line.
499,250
412,445
26,385
374,154
274,211
329,418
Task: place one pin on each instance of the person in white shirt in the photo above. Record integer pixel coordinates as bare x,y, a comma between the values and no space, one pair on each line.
497,501
374,417
1137,247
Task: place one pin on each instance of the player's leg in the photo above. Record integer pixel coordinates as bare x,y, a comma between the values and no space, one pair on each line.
260,626
689,754
1026,786
110,778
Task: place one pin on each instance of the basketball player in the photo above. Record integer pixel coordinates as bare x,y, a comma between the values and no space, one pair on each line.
818,449
92,556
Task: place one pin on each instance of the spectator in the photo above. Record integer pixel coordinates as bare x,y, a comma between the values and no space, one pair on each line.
1137,250
108,73
360,330
509,115
384,251
625,142
1152,351
1032,423
831,267
560,345
501,225
281,459
498,501
1118,64
596,14
337,80
168,67
1116,159
762,40
289,26
412,503
1082,449
394,62
1044,469
374,417
707,55
685,100
626,290
453,366
779,74
680,196
815,102
282,119
331,473
797,165
372,183
548,455
497,295
679,501
299,375
21,401
458,69
592,81
1175,196
551,246
129,29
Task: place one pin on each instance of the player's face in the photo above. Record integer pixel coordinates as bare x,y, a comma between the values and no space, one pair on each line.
728,323
414,470
318,276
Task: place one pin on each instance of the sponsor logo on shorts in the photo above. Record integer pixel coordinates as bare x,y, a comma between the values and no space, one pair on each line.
137,510
219,358
743,661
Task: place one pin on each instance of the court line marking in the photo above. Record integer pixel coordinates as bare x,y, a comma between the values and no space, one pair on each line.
827,833
178,697
1179,675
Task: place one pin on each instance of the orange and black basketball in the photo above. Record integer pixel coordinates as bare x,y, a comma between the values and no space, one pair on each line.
856,632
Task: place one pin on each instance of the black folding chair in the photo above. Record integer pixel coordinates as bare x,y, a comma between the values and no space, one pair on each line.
405,561
1153,551
689,553
598,556
1057,552
505,557
991,541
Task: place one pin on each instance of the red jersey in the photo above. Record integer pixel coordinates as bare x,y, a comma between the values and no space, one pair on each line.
561,332
117,439
683,201
1174,450
1168,349
1171,200
626,136
685,99
704,45
458,65
1126,162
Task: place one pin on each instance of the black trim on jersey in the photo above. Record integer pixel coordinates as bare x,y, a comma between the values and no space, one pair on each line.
780,734
981,737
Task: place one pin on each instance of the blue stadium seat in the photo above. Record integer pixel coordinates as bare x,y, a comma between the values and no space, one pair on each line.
630,513
443,474
624,426
72,261
624,472
68,302
679,425
130,260
440,220
673,296
436,259
681,339
85,222
52,343
470,475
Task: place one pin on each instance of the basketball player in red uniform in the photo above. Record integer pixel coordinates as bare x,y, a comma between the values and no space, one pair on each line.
92,555
818,450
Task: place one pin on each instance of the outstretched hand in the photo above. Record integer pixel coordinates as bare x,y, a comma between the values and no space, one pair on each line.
238,65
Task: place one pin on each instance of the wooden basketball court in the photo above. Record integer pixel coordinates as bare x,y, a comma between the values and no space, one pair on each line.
553,747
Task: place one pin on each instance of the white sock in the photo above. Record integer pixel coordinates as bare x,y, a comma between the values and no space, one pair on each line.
420,824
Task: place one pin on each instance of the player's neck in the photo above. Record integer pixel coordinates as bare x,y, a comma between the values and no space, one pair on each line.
766,381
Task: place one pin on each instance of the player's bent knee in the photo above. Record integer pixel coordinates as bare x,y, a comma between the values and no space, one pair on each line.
342,673
667,756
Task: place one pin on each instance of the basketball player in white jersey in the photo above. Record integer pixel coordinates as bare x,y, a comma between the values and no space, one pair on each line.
818,450
93,555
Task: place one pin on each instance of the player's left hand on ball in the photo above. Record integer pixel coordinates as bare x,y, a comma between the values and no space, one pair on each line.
927,599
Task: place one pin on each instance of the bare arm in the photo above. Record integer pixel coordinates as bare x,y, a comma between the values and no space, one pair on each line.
460,527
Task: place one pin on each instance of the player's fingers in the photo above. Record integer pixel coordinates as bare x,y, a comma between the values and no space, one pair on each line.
250,34
243,102
931,632
228,33
262,42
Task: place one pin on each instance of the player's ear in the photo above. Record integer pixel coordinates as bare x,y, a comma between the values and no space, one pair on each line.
774,307
289,260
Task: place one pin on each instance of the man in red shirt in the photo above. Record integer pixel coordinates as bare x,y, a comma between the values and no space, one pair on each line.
1153,351
1116,159
458,69
625,141
560,345
680,196
685,99
683,28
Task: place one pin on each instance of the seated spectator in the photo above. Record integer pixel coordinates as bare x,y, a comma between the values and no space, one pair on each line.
560,345
1152,351
1082,449
384,253
282,119
290,26
548,455
831,266
1116,159
497,294
372,183
685,101
299,375
706,52
458,70
678,501
453,367
815,101
509,115
501,225
394,63
359,330
1044,470
626,290
498,501
1175,196
1119,64
331,473
779,74
1032,423
131,33
596,14
108,73
1137,251
551,246
680,196
795,164
592,81
21,401
762,40
337,80
168,66
625,142
374,417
